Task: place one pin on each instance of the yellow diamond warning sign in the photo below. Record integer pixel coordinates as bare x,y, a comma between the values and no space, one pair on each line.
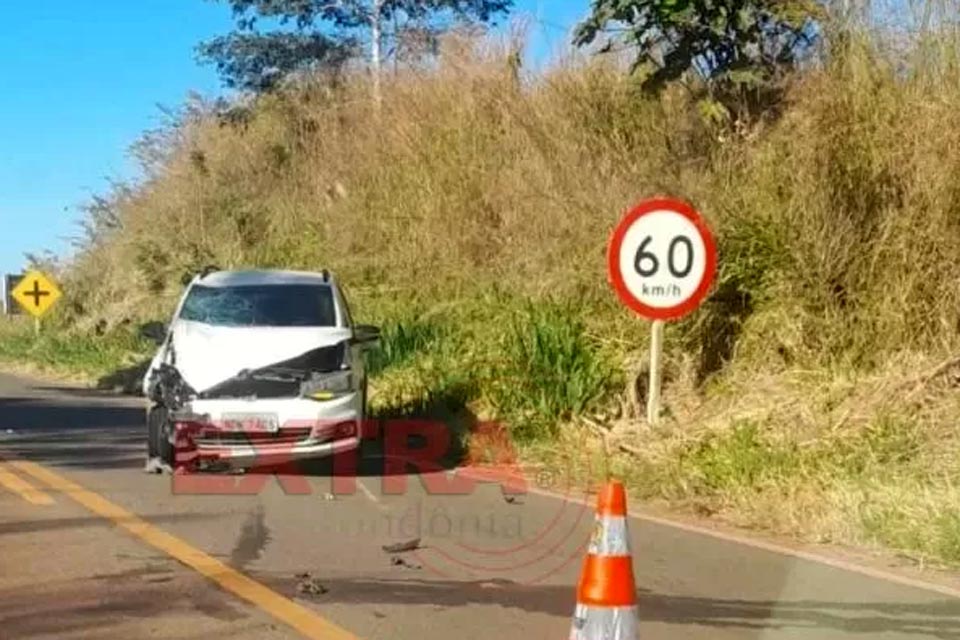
36,293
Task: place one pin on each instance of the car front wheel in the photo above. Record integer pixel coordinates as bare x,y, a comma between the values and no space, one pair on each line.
159,445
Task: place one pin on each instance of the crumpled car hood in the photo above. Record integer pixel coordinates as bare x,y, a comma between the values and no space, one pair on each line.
208,355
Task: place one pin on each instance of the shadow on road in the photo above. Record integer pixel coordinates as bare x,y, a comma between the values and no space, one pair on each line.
936,619
106,605
81,434
69,524
156,593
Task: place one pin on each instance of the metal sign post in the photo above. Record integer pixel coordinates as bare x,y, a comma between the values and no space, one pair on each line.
656,372
10,282
661,261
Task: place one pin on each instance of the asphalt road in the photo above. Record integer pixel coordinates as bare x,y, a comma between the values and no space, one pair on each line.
91,547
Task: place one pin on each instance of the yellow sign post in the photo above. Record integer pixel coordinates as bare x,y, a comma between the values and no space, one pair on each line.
36,293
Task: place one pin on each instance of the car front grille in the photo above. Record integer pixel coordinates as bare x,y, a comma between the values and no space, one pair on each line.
295,435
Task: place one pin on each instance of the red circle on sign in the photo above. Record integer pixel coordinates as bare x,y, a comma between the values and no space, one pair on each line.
616,244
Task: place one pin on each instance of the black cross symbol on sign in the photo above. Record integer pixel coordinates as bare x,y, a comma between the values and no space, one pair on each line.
36,294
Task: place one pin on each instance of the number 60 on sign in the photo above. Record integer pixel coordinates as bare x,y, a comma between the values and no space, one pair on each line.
662,259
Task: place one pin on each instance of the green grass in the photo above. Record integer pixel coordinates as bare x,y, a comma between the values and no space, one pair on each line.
751,457
549,371
741,460
926,532
530,364
885,485
403,340
78,354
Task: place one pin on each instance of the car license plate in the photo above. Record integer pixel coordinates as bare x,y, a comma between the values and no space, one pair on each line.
251,422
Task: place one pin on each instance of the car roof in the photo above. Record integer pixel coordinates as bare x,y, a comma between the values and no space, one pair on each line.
262,277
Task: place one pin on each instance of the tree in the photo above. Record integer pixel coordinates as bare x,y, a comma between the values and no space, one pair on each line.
731,45
327,33
258,61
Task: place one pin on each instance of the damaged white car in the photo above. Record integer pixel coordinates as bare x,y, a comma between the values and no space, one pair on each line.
256,367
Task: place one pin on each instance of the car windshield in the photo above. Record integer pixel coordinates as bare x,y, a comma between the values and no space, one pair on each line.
288,305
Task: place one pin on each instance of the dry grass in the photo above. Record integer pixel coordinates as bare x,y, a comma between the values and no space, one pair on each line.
796,396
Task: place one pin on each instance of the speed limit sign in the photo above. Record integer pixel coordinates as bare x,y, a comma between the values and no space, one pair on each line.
662,259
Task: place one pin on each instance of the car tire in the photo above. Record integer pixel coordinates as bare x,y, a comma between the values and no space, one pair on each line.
159,445
154,415
371,447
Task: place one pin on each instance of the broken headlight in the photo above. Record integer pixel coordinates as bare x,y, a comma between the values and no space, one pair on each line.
168,388
327,386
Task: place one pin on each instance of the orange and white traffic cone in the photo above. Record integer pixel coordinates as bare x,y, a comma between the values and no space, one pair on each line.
607,595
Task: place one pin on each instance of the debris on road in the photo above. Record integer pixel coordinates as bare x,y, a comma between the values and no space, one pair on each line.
402,547
216,466
329,496
398,561
511,500
309,585
157,579
497,583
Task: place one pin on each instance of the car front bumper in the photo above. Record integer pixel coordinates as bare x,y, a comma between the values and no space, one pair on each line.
307,429
260,455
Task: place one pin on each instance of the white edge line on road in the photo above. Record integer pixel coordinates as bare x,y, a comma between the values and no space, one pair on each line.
371,496
877,574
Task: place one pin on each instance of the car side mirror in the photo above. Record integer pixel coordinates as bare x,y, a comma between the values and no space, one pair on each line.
155,332
366,334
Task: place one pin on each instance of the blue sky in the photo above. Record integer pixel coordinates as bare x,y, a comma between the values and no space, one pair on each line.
84,79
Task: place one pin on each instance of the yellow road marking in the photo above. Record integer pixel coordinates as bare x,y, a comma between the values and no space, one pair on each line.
308,623
22,488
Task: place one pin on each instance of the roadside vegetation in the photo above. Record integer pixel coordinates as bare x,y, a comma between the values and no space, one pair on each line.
78,355
815,393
